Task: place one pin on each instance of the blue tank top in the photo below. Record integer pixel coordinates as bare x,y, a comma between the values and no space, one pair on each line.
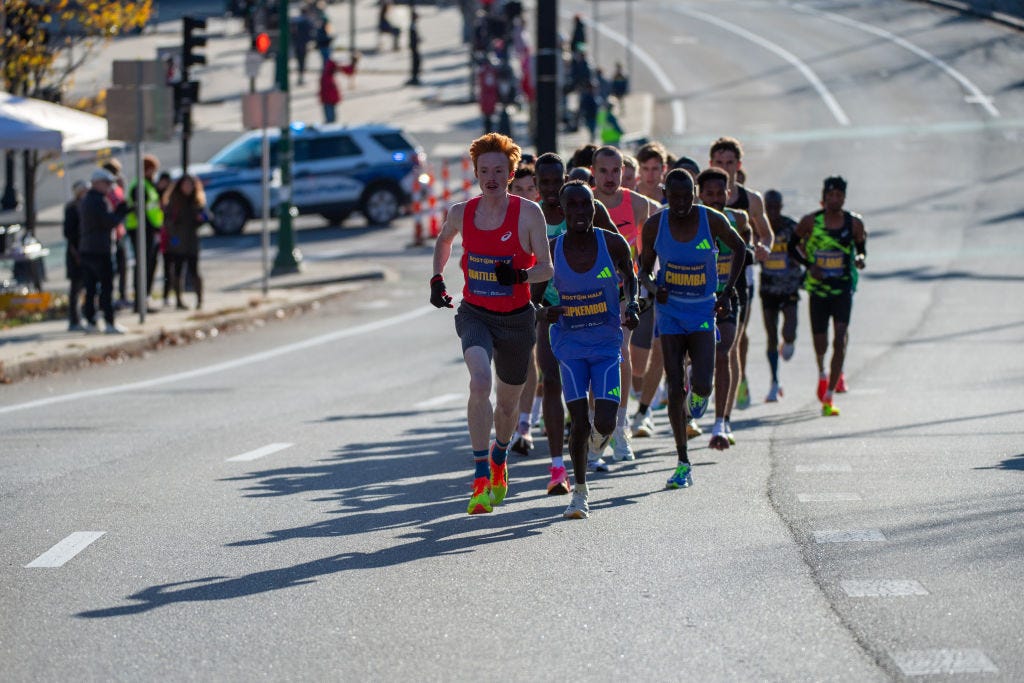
590,326
689,270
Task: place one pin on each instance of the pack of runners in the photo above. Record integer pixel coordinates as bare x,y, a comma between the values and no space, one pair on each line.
634,279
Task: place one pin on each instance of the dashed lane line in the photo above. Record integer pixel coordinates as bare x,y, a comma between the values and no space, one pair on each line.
849,536
882,588
59,554
260,452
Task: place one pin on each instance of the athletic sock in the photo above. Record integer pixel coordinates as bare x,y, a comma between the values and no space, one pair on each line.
524,422
557,461
500,452
480,462
828,397
773,363
538,404
620,416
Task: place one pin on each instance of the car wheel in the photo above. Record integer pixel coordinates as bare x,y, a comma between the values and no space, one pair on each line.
230,214
381,204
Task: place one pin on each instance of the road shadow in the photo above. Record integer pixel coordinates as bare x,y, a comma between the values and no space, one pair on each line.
1015,462
416,485
926,274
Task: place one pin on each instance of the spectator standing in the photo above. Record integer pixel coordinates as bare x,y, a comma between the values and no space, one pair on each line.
608,127
323,38
163,182
72,260
330,94
154,216
385,27
620,86
120,248
488,92
414,49
302,33
95,245
579,35
587,110
185,202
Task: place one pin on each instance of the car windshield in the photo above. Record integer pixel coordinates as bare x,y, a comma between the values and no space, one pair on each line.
243,154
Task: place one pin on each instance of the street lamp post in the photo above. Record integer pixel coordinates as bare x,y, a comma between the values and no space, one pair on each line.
288,255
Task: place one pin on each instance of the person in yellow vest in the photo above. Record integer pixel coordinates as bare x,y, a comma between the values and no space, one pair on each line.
154,216
608,127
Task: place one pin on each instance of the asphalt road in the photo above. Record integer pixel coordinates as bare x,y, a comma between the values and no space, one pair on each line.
289,503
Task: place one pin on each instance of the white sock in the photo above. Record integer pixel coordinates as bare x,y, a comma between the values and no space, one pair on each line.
621,417
557,461
538,403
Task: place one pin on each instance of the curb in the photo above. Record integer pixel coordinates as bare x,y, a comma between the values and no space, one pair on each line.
970,8
228,320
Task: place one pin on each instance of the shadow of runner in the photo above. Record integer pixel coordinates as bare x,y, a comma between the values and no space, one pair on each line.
427,502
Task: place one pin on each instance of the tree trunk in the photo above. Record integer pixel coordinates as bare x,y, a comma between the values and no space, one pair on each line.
31,161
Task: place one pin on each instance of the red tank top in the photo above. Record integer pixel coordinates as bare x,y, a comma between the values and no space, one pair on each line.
624,220
483,249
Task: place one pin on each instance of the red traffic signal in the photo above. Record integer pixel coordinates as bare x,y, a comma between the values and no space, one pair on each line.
262,43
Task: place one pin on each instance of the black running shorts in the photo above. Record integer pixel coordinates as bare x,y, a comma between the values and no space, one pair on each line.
838,307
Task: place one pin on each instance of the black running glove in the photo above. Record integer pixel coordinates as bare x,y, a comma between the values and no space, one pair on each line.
439,294
507,275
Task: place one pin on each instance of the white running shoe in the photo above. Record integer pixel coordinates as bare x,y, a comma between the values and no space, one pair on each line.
114,328
598,442
642,425
622,445
596,464
579,506
693,429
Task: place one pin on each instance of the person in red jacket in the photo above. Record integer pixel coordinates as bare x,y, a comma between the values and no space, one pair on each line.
330,94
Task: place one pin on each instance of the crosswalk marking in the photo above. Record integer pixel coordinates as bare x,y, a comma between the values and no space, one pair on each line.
66,549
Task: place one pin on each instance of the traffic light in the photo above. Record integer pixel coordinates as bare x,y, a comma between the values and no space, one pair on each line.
261,43
191,42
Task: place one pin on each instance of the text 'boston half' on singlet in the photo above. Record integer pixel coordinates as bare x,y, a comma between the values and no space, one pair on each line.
688,269
483,250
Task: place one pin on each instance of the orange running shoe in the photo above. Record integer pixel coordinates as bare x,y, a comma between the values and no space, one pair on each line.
480,502
822,387
841,384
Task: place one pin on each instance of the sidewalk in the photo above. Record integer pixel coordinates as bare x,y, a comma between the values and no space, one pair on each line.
439,110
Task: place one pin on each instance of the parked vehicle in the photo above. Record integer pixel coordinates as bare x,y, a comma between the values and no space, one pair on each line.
336,170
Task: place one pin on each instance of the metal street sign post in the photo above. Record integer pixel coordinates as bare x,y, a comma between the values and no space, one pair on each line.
265,110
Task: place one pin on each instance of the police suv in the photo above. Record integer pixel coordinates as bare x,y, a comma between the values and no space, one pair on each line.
335,170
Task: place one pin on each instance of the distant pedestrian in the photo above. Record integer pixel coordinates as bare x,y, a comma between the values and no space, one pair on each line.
185,202
608,127
487,88
385,27
163,183
579,35
97,222
120,247
330,94
153,214
587,111
414,50
620,86
72,260
302,34
323,39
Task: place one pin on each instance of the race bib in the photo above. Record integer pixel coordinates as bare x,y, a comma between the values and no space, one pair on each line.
832,263
724,265
687,280
777,259
584,309
480,277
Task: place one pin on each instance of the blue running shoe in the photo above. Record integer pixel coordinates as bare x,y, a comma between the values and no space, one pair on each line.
698,405
681,478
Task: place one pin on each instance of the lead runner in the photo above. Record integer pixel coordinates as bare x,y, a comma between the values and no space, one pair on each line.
504,240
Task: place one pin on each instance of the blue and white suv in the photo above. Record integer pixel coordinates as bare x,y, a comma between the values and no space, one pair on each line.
335,170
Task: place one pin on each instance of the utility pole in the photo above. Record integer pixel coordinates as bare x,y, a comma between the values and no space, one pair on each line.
288,255
548,55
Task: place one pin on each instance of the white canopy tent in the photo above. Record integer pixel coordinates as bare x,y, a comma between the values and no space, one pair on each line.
27,123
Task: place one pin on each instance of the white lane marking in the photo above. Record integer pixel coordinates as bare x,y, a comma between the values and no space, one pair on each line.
882,588
676,102
222,367
848,536
438,400
934,662
824,467
260,452
827,497
66,549
974,94
823,92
